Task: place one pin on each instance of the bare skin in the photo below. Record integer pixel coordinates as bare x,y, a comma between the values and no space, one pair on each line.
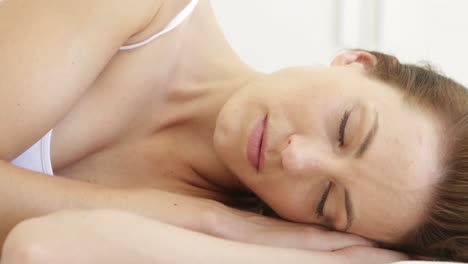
150,241
127,123
95,127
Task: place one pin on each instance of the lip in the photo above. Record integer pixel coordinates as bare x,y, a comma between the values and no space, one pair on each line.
257,143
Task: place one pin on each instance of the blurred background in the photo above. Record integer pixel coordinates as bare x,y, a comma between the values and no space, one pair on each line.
273,34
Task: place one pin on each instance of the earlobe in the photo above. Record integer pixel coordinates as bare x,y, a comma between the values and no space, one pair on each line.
364,58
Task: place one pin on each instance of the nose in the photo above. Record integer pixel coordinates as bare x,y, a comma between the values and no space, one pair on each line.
301,155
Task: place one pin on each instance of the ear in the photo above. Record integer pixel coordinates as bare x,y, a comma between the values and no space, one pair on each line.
364,58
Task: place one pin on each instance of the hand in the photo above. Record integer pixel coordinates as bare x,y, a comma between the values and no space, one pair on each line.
362,255
216,219
233,224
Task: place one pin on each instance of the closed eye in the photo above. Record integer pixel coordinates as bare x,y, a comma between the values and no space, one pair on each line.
344,121
323,200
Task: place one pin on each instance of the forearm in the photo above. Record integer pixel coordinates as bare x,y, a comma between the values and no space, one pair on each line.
165,244
119,237
25,194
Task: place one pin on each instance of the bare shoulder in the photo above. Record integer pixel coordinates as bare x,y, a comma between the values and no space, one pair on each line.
166,12
51,52
138,12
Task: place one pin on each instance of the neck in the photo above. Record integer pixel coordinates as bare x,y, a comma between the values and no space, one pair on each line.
205,78
195,122
197,131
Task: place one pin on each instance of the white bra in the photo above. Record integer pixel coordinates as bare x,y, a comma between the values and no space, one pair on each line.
37,157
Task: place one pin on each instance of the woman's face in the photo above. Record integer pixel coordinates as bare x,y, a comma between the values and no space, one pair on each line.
339,149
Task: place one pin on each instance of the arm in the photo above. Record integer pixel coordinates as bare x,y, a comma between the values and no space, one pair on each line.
119,237
26,194
53,49
56,49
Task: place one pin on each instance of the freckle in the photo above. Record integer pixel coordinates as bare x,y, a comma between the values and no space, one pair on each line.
176,204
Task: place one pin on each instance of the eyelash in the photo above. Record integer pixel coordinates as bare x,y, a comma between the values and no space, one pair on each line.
323,199
344,121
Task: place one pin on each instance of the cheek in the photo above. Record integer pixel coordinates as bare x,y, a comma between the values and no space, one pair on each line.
397,157
307,114
383,210
373,212
387,219
292,198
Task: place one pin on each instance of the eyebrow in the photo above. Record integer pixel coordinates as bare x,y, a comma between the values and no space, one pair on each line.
349,211
369,138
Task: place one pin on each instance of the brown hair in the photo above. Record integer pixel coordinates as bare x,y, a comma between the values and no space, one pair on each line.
444,233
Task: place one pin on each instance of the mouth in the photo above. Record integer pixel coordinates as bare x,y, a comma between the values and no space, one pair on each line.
256,144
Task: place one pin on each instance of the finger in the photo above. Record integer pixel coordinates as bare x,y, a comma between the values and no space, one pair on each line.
307,238
332,240
275,232
257,229
363,255
304,236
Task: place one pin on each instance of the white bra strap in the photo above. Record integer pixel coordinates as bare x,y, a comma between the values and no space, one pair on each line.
46,161
170,26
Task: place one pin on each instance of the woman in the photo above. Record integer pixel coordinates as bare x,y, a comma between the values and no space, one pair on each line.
174,126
